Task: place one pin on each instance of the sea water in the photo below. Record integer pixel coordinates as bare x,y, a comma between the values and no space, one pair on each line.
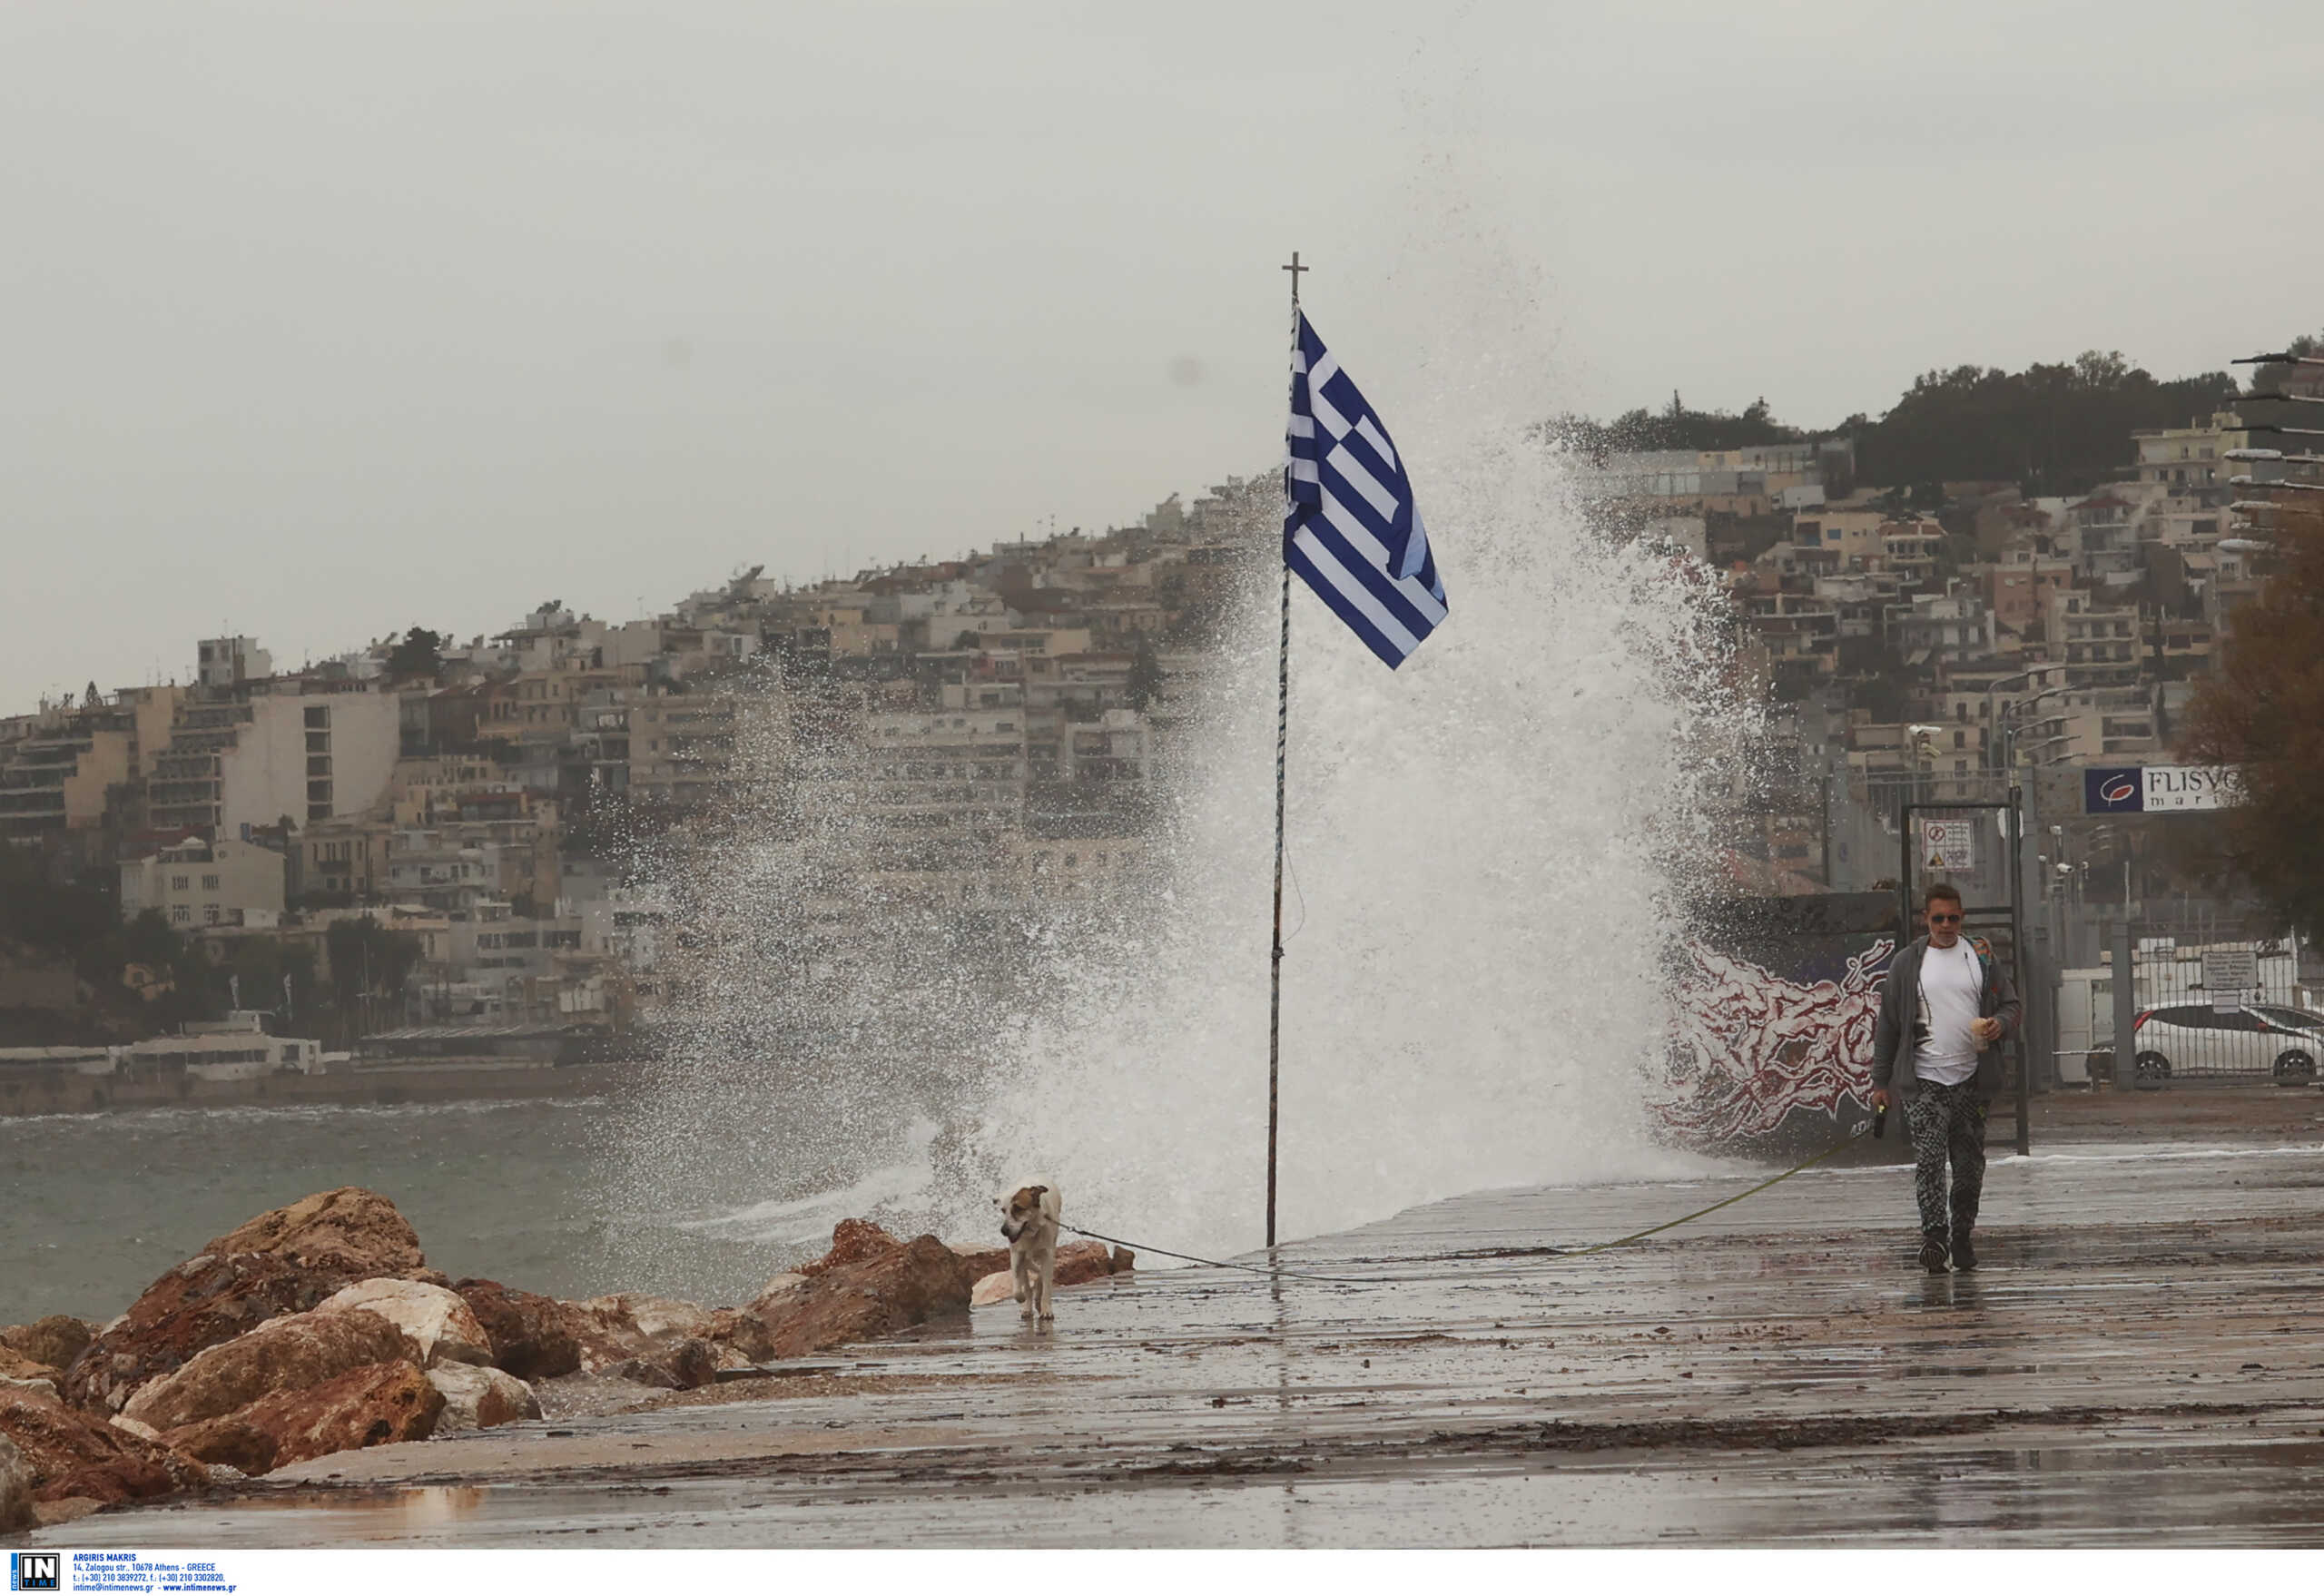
1488,850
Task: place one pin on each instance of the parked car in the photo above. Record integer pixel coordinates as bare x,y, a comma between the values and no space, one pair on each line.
2249,1039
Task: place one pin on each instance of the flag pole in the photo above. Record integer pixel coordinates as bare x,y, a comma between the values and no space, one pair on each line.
1282,735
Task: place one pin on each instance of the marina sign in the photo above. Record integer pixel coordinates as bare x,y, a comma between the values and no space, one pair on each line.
2156,789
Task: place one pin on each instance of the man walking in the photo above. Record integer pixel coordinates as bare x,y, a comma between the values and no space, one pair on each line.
1942,1014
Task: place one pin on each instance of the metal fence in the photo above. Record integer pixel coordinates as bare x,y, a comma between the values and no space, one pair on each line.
2205,1006
2219,1008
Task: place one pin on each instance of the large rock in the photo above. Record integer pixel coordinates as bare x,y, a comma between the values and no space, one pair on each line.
15,1488
437,1319
71,1455
983,1261
657,1318
529,1334
853,1241
285,1261
605,1333
630,1330
15,1365
289,1353
478,1397
349,1232
203,1301
368,1406
678,1365
55,1341
871,1285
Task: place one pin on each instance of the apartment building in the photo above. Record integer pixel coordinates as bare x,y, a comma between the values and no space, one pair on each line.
682,747
281,748
60,774
2191,456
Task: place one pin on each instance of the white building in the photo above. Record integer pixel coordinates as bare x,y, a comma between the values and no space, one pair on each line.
225,662
248,761
197,884
233,1049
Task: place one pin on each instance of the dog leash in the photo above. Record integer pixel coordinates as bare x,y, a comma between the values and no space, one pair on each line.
1224,1264
1558,1254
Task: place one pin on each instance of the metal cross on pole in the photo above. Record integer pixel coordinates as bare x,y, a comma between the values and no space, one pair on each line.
1295,268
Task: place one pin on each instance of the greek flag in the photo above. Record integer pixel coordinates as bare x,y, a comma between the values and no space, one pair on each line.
1354,532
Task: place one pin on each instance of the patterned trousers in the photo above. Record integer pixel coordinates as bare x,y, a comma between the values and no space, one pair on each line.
1948,1125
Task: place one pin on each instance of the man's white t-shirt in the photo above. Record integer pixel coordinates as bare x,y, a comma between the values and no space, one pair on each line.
1951,984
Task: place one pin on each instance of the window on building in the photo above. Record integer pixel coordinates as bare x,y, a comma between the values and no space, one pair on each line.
317,715
210,884
181,914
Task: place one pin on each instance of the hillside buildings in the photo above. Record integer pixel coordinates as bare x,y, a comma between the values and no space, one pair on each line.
982,737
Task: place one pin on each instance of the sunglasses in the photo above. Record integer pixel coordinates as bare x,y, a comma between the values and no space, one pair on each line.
1945,919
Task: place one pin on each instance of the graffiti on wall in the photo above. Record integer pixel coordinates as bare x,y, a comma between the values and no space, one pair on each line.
1751,1048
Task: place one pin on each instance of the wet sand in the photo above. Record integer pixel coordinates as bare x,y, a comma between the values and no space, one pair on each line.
2140,1361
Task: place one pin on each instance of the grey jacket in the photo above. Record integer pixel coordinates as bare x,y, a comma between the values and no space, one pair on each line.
1900,1012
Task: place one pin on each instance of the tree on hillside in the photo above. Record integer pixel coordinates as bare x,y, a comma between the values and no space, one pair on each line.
1145,685
2270,379
2060,428
2263,713
81,925
1674,427
368,967
419,653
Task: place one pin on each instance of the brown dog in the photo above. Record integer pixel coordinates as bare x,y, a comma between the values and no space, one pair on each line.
1028,1218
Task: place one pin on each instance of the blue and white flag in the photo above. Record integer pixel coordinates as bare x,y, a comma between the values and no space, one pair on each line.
1353,531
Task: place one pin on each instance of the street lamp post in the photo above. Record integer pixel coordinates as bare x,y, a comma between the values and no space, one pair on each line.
2009,727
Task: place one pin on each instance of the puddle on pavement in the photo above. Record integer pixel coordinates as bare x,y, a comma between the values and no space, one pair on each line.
2141,1489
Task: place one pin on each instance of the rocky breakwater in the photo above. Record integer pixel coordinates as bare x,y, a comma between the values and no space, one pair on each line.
309,1329
318,1328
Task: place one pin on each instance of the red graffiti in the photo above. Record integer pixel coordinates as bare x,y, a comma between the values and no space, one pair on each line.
1748,1048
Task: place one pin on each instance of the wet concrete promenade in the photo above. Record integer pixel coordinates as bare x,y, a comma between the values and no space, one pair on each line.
2140,1361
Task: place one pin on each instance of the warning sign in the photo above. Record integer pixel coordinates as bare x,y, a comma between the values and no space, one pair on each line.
2229,974
1949,846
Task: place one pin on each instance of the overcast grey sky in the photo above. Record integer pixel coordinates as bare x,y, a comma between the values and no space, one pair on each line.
325,320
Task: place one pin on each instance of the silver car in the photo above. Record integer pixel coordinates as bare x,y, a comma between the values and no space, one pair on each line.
2249,1039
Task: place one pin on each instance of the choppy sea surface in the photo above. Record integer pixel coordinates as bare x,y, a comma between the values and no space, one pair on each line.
94,1208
